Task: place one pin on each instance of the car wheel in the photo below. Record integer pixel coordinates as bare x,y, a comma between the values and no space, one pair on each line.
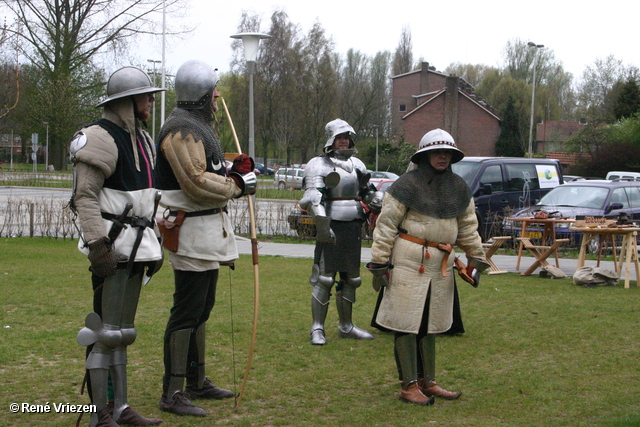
281,186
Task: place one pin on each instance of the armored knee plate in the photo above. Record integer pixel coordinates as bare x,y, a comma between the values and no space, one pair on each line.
321,286
95,331
348,288
128,335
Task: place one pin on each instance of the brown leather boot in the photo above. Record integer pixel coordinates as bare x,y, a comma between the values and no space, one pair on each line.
433,389
412,394
104,418
129,417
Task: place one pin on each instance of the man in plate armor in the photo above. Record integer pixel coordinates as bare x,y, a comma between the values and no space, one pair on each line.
115,200
196,187
335,185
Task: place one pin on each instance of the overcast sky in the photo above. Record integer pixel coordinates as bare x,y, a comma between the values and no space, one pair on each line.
476,32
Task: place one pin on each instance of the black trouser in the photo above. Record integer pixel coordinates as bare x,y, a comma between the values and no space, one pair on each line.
193,300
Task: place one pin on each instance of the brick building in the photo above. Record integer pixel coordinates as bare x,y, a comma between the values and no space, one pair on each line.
426,99
551,135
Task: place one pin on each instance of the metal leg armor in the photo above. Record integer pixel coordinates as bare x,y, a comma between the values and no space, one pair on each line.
119,354
406,351
200,336
198,385
319,305
106,335
345,298
179,355
428,357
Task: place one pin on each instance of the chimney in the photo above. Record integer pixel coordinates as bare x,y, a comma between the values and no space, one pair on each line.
451,106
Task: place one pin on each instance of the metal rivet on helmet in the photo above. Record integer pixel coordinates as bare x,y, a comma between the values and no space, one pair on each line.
437,139
195,82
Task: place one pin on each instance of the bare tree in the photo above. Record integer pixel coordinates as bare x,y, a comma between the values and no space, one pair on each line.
61,40
403,57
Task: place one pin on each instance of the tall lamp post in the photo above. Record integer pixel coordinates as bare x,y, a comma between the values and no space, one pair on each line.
153,120
376,128
46,156
533,93
251,41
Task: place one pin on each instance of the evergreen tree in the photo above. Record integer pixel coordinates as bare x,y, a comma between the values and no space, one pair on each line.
510,141
628,102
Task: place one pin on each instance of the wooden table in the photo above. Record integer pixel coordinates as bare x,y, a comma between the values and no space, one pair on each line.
549,240
628,252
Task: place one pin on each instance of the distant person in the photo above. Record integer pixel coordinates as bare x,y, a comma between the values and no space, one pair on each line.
115,200
335,184
196,187
425,213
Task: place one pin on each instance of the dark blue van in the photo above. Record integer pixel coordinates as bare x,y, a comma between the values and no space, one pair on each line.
503,185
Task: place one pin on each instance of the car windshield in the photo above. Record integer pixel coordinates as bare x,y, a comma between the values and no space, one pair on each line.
467,170
582,197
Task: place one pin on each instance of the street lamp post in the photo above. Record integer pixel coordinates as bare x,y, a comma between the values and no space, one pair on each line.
533,93
164,42
46,156
376,128
251,41
153,120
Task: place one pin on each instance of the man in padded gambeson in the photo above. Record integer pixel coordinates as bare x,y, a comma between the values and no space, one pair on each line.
115,200
335,185
194,180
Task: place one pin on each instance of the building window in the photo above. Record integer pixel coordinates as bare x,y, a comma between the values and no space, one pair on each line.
403,108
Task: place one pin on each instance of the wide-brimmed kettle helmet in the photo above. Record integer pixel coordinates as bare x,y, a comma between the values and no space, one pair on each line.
128,81
437,139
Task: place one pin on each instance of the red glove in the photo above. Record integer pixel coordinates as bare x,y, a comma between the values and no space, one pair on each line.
243,164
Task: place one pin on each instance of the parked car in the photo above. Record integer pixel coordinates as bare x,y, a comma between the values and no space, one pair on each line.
384,175
263,170
288,178
501,185
382,183
593,198
633,176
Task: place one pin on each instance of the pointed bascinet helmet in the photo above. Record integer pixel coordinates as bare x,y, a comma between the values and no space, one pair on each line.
437,139
195,82
128,81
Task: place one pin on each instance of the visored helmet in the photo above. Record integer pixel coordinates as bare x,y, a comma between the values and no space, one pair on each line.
437,139
195,81
338,127
128,81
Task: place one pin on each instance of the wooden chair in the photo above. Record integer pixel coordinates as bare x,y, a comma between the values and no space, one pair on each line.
541,253
490,248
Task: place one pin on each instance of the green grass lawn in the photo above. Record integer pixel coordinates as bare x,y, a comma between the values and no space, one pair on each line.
537,352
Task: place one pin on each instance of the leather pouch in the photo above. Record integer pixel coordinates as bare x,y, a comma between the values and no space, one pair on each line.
170,231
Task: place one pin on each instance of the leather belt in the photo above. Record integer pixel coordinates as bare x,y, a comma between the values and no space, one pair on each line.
447,248
200,213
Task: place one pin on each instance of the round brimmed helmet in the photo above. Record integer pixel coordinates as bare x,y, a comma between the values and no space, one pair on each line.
195,81
128,81
338,127
437,139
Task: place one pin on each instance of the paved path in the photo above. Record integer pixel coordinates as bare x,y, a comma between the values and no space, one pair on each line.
505,262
